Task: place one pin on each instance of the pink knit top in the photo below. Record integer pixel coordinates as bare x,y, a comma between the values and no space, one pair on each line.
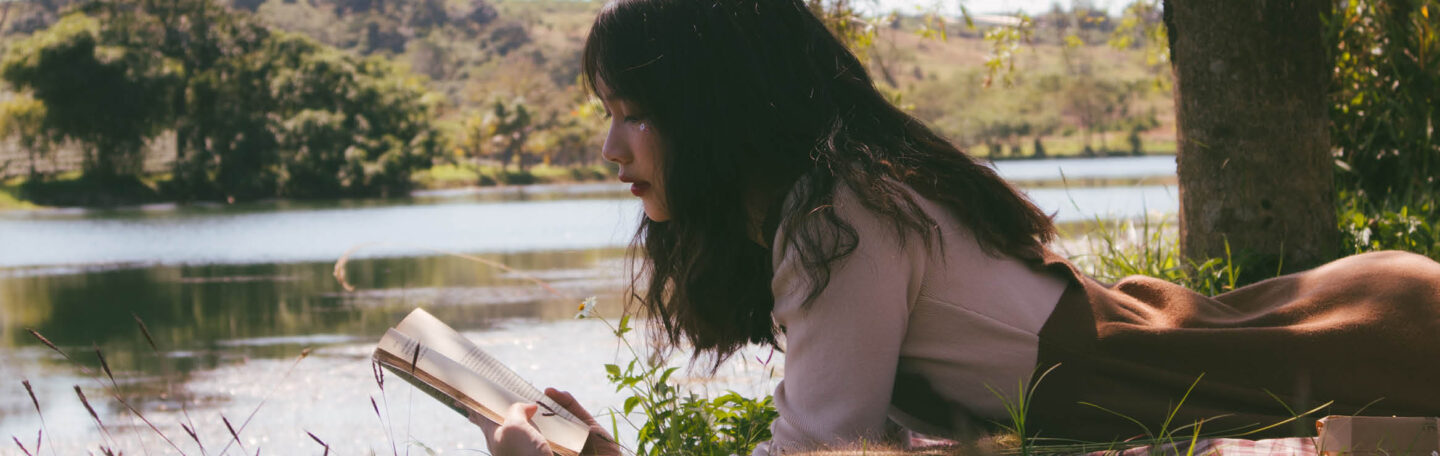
961,320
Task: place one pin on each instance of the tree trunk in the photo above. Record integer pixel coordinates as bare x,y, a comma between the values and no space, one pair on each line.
1253,146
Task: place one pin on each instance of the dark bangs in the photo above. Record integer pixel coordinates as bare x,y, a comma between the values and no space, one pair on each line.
618,53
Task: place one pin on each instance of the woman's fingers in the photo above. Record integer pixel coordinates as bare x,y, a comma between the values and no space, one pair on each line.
569,402
520,413
600,442
480,420
517,436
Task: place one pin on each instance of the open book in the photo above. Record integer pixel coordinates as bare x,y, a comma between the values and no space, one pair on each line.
430,355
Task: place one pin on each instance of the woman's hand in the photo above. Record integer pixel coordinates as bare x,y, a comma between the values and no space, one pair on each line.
600,443
518,436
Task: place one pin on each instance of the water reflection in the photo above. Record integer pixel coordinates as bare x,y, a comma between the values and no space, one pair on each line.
207,307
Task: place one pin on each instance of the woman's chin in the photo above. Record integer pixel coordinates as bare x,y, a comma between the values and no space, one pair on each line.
656,215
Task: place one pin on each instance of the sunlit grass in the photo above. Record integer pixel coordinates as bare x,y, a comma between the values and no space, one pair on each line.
468,175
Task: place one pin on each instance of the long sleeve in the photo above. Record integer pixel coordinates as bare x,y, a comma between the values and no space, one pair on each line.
843,349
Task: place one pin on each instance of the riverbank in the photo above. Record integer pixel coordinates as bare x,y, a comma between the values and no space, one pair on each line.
71,190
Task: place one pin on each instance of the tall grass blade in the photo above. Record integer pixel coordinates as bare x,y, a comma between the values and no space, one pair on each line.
105,366
43,340
389,430
146,331
1194,438
33,400
1165,428
86,402
1289,420
36,402
22,446
340,276
303,354
193,436
322,442
1123,416
233,434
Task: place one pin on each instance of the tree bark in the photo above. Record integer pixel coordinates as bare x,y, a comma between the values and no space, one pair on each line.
1253,146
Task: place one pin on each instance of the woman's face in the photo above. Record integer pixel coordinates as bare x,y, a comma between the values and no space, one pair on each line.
634,145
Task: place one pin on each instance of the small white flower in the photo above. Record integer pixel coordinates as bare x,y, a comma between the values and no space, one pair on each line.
587,308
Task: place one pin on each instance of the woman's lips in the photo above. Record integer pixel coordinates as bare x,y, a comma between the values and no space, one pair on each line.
639,188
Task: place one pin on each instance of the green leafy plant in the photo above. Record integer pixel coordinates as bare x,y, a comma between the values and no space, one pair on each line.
676,421
1394,224
1123,248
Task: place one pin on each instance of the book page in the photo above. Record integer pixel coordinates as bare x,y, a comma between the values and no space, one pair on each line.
440,337
436,372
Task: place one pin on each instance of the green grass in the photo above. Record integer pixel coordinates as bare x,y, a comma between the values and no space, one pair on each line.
74,189
1150,247
1074,146
445,176
10,198
466,175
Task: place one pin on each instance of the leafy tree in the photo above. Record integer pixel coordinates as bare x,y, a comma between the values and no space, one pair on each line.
256,113
1385,98
344,125
509,124
23,118
111,99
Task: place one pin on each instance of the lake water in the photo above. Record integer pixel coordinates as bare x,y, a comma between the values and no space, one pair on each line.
233,294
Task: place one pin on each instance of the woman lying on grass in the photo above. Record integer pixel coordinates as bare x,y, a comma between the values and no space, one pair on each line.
789,203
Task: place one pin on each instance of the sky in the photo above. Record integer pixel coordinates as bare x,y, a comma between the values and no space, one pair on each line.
1114,7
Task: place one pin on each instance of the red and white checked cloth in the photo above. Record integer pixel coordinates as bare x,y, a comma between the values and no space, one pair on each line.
1293,446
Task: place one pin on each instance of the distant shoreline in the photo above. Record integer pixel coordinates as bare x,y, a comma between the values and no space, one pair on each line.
445,180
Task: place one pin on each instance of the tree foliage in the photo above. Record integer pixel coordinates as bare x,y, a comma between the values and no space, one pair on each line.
109,98
256,113
1385,106
1385,97
23,118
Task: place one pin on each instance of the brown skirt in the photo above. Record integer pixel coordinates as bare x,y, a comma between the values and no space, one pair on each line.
1361,333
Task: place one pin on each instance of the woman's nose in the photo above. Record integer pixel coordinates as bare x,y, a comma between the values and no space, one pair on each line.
614,151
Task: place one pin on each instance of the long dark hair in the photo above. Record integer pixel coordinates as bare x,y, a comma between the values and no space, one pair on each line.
751,98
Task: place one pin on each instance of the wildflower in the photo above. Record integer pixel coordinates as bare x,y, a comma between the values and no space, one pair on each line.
587,308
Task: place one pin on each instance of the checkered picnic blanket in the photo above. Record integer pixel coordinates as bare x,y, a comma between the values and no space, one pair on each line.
1293,446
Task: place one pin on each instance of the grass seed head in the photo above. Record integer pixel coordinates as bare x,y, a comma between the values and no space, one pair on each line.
30,390
322,442
21,445
47,342
193,436
234,434
415,359
379,376
146,331
104,365
88,408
